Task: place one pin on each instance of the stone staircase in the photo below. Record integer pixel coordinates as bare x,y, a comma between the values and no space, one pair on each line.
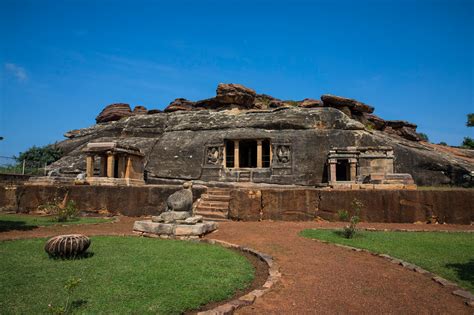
214,204
244,176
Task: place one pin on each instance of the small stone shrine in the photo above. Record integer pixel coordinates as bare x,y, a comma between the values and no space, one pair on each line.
119,164
178,220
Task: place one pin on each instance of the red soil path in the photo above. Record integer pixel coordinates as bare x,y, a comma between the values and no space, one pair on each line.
316,277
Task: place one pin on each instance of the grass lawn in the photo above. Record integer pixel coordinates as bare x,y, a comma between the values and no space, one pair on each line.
124,275
450,255
27,222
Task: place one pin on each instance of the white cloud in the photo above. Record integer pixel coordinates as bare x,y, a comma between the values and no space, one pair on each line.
18,72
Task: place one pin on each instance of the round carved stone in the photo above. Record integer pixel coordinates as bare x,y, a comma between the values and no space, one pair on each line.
67,246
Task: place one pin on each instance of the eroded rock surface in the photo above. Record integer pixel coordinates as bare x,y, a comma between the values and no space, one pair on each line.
174,142
118,111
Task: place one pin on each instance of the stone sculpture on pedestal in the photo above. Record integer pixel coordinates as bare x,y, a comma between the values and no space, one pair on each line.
178,220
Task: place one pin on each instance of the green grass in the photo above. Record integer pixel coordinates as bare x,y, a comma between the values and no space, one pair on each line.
450,255
124,275
27,222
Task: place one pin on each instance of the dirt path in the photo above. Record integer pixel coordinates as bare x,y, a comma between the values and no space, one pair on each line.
316,277
320,278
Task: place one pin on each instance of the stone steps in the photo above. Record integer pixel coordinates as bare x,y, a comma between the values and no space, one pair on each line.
217,191
244,177
213,216
214,205
214,197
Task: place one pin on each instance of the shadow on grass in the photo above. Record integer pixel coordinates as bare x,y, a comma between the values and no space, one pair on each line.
343,234
75,257
78,304
6,226
464,271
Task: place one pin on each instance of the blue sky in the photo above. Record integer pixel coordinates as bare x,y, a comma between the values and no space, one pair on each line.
61,62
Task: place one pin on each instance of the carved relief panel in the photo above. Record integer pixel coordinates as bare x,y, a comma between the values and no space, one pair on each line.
282,155
214,155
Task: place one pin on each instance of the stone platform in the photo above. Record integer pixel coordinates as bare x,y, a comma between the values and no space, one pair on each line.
173,230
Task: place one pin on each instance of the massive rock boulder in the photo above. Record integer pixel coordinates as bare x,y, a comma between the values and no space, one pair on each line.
235,94
175,142
114,112
180,104
342,102
402,128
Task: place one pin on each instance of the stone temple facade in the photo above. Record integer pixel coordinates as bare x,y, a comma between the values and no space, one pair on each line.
241,136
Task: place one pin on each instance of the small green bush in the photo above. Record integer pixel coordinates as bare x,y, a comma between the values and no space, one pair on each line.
70,286
349,231
468,143
343,215
62,212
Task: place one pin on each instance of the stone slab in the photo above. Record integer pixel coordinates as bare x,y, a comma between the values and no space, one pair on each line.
179,230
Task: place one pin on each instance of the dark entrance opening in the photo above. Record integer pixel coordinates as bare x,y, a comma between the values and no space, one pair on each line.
266,153
342,171
229,154
116,167
248,153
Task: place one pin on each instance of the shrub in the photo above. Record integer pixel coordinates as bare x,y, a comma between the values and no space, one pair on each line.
343,215
62,211
423,136
468,143
349,231
70,286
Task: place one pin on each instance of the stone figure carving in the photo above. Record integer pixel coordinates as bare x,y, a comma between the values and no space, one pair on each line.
214,155
283,154
177,220
182,200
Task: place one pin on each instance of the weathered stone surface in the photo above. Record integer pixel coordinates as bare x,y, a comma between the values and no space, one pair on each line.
181,200
131,201
174,142
180,104
374,120
153,227
235,94
174,230
310,103
171,216
67,246
297,204
114,112
401,206
340,102
193,220
262,101
140,110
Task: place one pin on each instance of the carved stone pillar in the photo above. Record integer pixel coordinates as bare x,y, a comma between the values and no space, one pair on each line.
332,170
103,166
89,166
353,169
110,165
259,154
128,167
236,154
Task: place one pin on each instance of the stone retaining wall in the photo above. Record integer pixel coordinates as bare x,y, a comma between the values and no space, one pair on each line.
130,201
395,206
390,206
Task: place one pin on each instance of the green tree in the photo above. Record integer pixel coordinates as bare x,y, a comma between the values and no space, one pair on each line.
37,157
423,136
470,120
468,143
